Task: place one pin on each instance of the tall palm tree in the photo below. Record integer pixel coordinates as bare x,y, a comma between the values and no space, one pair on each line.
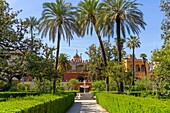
88,10
63,64
32,24
123,15
132,43
58,18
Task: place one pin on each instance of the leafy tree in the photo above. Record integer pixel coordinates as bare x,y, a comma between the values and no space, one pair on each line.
161,61
143,55
40,66
95,65
12,43
87,19
133,42
160,57
63,65
113,71
58,18
124,16
165,7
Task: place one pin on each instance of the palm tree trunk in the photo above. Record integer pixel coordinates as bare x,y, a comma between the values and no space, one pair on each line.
57,56
133,58
104,56
32,38
145,68
119,45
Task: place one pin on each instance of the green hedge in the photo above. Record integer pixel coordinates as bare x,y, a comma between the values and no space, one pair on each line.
2,99
45,103
116,103
16,94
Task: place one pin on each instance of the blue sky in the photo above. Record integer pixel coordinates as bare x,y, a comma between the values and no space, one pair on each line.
149,38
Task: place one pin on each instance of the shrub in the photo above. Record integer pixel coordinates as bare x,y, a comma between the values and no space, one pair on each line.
38,104
72,84
2,99
24,86
99,85
16,94
42,86
115,103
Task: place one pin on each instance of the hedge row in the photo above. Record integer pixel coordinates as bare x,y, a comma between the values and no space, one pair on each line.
2,99
38,104
16,94
116,103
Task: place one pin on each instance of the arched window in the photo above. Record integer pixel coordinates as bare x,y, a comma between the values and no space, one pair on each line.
80,78
137,68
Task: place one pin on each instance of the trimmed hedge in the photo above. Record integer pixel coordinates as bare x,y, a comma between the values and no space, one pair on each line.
45,103
16,94
2,99
116,103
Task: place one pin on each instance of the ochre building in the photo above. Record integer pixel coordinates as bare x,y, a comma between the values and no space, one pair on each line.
139,66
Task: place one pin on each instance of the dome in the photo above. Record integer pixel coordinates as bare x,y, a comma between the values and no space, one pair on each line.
76,56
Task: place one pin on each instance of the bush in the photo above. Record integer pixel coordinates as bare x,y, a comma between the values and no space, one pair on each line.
24,86
99,85
115,103
42,86
16,94
72,84
38,104
2,99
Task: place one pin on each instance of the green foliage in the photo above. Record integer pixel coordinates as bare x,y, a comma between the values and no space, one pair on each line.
72,84
113,71
161,61
38,104
42,85
63,65
115,103
143,85
24,86
59,86
95,65
165,8
2,99
16,94
99,85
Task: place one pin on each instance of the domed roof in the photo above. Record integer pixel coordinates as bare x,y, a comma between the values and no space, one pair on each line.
76,56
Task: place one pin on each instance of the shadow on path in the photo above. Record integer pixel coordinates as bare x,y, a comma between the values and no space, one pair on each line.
86,106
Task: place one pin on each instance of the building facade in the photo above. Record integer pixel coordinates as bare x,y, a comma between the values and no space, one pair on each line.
139,66
78,72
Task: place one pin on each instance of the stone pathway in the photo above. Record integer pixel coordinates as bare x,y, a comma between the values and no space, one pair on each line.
86,106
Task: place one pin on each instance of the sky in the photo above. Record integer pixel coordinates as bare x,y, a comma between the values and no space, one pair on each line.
150,37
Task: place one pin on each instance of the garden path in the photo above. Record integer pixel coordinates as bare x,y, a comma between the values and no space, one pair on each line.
86,106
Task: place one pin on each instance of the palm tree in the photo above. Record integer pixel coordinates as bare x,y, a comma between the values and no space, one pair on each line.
32,24
63,64
58,18
88,10
133,42
144,59
123,15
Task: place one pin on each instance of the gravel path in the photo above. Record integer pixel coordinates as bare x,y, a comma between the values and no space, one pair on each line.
86,106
